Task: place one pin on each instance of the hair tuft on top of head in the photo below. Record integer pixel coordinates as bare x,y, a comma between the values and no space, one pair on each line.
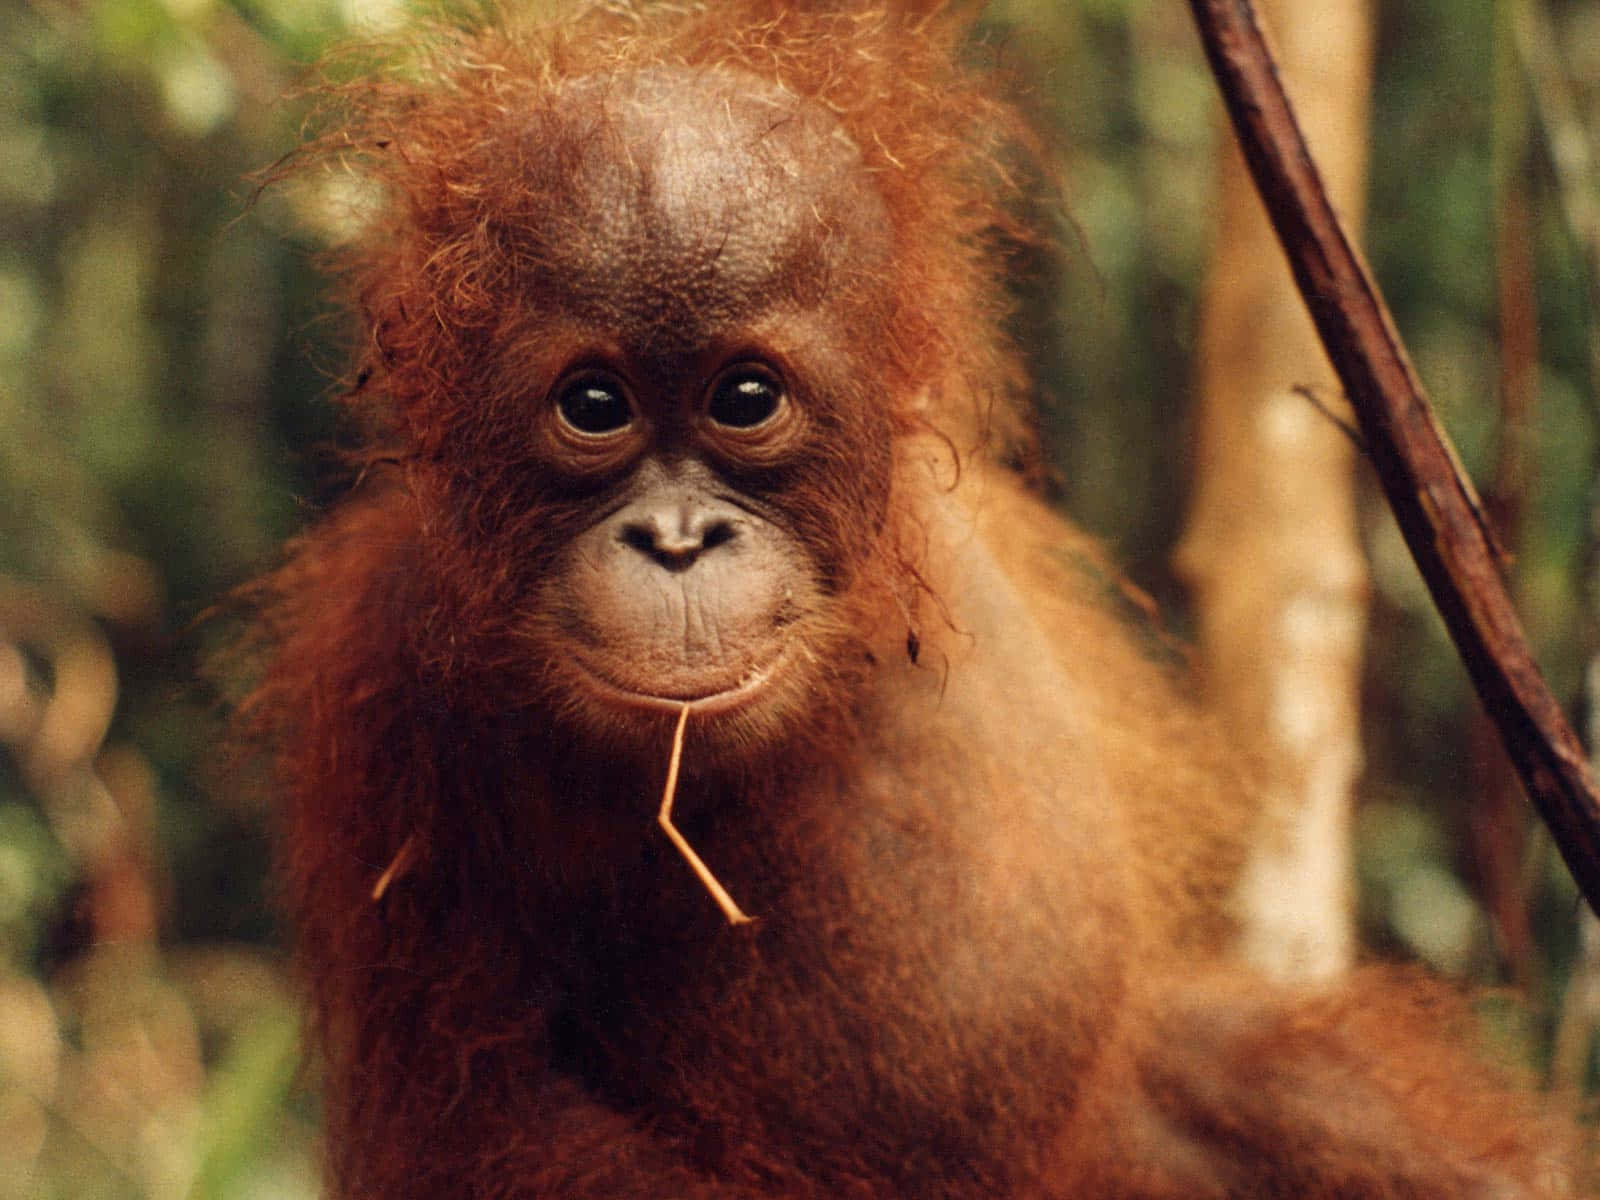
412,122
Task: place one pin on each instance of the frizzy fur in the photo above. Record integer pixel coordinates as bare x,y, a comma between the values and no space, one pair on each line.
411,118
352,748
387,712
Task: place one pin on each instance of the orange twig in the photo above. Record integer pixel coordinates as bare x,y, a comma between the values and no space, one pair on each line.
732,911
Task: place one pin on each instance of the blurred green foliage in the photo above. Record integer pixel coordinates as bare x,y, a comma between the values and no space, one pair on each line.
163,368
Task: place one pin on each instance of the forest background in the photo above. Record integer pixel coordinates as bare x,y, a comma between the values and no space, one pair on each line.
165,369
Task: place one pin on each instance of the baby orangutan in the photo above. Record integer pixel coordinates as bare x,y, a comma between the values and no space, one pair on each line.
685,398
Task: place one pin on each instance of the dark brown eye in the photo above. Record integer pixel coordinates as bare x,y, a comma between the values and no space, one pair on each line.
744,398
595,405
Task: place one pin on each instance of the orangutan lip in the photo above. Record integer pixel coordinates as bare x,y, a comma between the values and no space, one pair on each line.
710,703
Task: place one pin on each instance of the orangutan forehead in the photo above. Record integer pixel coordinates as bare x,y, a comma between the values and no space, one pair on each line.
679,200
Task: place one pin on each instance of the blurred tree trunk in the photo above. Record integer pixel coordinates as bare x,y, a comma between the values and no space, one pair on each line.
1499,816
1272,550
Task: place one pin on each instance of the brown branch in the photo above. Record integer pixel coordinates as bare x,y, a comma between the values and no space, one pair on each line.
1434,504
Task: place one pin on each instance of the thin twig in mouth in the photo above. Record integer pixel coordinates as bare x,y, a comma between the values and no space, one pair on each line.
732,911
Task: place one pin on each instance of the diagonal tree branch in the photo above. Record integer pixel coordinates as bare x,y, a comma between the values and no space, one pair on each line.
1433,502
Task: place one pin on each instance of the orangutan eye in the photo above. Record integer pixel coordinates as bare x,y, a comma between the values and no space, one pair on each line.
745,397
594,405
